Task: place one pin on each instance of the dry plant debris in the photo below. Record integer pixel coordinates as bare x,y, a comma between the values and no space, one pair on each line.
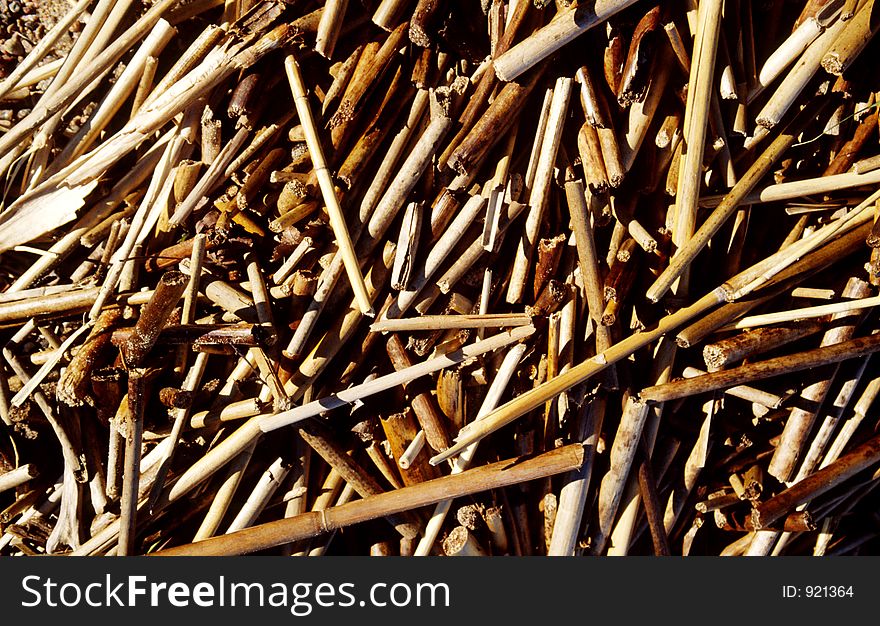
411,277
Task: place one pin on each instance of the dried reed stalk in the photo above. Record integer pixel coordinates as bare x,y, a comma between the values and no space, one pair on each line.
568,25
329,27
852,40
696,119
853,348
493,476
540,189
505,372
691,246
800,422
138,164
797,79
815,485
328,191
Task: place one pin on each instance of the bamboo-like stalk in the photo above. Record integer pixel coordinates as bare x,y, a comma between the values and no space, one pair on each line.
502,378
420,24
762,369
107,224
407,246
586,247
866,165
372,64
405,181
639,59
792,48
265,488
341,79
382,115
813,293
805,313
540,190
816,450
461,542
319,300
573,495
676,41
641,114
296,498
598,116
861,458
538,141
550,389
696,120
845,157
330,26
285,418
356,476
590,151
412,451
739,286
437,255
341,330
491,476
153,317
73,88
18,477
134,430
623,452
401,429
797,79
471,255
328,191
448,322
493,125
729,312
860,410
18,77
152,46
744,392
93,39
145,85
732,349
67,528
104,207
190,295
567,25
38,74
384,464
388,13
190,384
648,489
224,494
194,54
778,266
694,464
692,244
424,406
800,422
285,269
233,411
384,174
850,43
262,304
